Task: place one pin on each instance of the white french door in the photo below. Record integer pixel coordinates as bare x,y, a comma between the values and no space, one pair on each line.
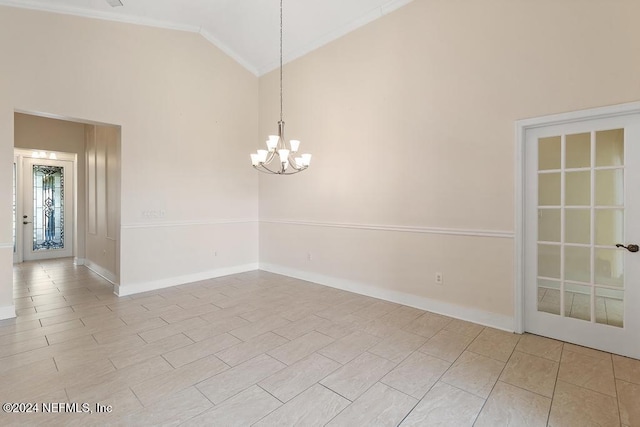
581,228
46,209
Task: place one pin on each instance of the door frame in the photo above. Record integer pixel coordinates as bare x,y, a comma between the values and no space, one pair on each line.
521,128
20,154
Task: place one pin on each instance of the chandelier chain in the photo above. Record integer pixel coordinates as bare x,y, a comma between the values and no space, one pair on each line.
281,115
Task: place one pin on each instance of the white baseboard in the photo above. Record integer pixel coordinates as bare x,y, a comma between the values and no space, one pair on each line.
78,261
7,312
100,271
498,321
136,288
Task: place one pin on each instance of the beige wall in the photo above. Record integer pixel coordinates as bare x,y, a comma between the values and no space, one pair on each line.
33,132
410,121
103,200
189,116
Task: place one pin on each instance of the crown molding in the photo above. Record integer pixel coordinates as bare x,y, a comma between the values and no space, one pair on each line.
378,12
252,68
230,52
106,16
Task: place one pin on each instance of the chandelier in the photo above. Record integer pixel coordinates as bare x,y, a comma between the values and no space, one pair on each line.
280,158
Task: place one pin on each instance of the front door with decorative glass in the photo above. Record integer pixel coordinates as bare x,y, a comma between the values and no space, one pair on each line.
47,209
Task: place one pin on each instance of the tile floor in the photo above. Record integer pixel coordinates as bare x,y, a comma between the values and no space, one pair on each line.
267,350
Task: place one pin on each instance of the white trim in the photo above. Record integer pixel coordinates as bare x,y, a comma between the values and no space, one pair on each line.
136,288
60,155
7,312
258,71
6,246
79,261
96,14
187,223
230,52
361,21
101,271
518,280
498,321
618,110
400,228
522,126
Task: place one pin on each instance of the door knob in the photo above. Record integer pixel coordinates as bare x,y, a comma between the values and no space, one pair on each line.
630,248
26,222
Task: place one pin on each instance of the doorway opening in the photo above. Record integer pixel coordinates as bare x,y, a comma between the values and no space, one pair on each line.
67,192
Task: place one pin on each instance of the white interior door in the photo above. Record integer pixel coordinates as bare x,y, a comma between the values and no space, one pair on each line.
47,209
582,199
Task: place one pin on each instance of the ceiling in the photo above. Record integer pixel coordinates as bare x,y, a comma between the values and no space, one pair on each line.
247,30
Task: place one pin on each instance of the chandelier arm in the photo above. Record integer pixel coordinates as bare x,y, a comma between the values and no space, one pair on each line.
262,168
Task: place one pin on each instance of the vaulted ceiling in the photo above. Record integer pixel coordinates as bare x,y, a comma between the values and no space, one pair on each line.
247,30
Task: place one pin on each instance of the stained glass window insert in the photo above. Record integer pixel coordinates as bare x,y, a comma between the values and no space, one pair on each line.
48,204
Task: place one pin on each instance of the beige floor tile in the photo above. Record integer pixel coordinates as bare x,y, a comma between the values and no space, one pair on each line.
160,386
494,344
586,351
314,407
173,410
349,347
229,383
242,352
215,328
511,406
463,327
96,389
577,406
10,349
416,374
302,326
629,402
185,314
137,354
300,348
375,310
427,325
627,369
357,376
122,404
474,373
244,409
172,329
531,373
397,347
540,346
446,345
293,380
191,352
20,327
336,331
254,329
585,371
379,406
445,406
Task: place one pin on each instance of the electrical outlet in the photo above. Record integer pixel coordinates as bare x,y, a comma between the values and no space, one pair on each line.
309,257
439,279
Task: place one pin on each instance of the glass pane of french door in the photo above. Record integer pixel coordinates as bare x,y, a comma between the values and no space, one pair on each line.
580,220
